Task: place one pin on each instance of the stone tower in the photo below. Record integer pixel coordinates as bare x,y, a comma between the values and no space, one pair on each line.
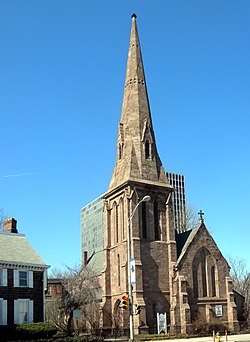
182,275
138,172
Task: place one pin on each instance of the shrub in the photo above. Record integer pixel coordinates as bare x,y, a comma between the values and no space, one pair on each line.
73,339
201,327
217,326
35,331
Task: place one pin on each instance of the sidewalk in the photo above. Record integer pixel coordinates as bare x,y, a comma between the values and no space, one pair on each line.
230,338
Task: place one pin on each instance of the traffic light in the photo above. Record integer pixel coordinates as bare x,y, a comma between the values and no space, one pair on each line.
137,309
125,302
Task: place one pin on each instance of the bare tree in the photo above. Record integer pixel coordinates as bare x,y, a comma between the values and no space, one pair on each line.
189,219
56,273
240,275
3,217
81,291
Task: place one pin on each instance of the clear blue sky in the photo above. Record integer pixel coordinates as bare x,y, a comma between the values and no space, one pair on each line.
62,71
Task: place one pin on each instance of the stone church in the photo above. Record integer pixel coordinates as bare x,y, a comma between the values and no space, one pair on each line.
182,275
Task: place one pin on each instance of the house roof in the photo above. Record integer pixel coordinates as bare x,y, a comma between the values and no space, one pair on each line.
16,249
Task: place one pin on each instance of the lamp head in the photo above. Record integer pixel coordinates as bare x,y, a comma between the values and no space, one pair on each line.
146,198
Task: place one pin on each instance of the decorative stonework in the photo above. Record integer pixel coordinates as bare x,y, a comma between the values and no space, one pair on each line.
134,81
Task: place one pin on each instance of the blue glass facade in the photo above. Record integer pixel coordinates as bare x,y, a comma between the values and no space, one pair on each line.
92,234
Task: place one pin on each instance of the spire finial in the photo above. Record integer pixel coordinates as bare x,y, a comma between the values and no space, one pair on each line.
201,216
133,15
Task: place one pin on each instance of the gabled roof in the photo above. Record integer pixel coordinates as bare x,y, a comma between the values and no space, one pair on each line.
15,249
181,239
184,240
188,239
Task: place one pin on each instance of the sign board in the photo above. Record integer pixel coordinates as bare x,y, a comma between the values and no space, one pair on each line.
162,323
218,310
132,271
77,313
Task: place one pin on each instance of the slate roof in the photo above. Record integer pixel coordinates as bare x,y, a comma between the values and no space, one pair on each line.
16,249
185,241
181,239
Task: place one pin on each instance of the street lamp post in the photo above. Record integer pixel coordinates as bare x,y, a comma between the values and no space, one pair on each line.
130,297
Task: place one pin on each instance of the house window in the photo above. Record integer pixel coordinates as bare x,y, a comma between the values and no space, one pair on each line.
3,312
3,277
23,278
23,311
48,290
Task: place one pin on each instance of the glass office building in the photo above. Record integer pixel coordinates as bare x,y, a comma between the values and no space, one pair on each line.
92,234
179,201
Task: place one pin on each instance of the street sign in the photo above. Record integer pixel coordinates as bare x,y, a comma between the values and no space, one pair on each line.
162,323
132,271
77,313
218,310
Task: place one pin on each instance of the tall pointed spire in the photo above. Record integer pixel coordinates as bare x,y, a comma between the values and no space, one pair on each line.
135,82
137,157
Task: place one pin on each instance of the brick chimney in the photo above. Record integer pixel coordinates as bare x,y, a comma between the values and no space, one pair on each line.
85,258
10,226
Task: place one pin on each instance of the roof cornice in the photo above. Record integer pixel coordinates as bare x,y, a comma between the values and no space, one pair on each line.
15,265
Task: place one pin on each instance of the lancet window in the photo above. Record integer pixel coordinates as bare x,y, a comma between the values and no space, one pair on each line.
147,149
118,270
156,221
144,219
204,273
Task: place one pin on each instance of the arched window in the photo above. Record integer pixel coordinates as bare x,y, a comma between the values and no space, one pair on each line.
118,270
203,273
147,149
195,282
144,220
213,281
156,221
117,223
121,206
204,282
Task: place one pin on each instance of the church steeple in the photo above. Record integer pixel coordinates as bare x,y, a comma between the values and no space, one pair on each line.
137,157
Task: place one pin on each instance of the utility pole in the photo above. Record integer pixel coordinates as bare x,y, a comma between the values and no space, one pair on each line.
130,295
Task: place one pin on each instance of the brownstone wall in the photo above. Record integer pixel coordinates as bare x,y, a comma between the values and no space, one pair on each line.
205,305
152,288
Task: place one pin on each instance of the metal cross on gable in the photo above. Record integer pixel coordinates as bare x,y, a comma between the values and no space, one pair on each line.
201,215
